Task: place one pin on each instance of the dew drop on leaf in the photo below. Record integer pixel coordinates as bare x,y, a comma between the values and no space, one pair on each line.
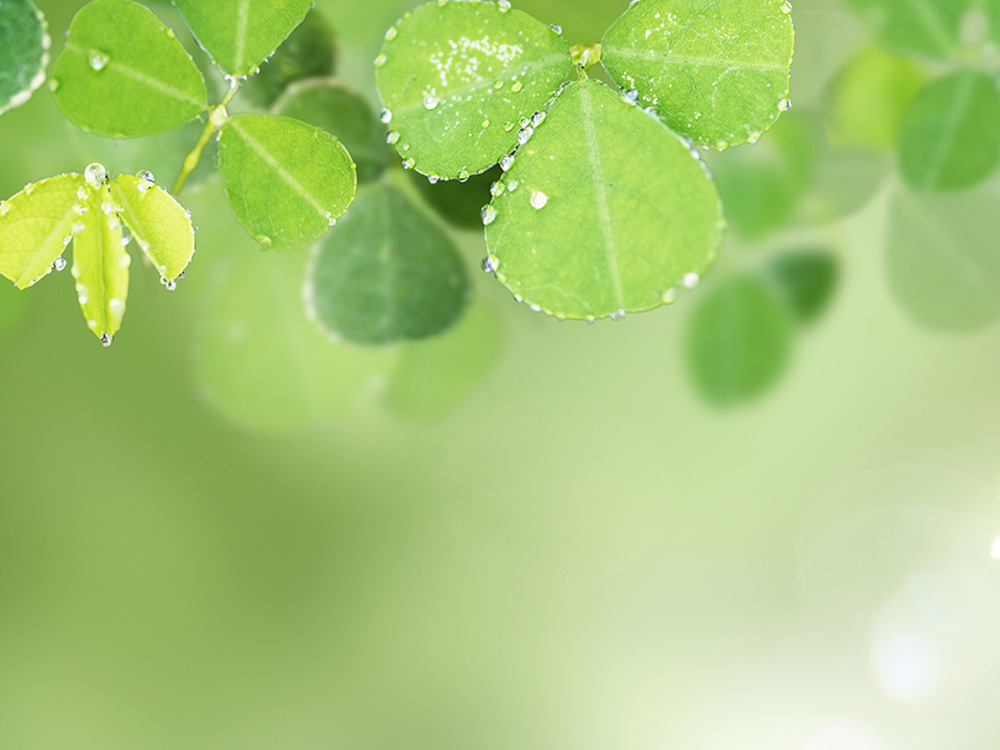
97,60
95,174
489,214
539,199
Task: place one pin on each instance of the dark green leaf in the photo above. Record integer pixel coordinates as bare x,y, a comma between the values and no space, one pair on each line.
807,278
459,203
24,44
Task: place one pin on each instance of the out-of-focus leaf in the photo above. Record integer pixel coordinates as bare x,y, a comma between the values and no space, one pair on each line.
923,27
807,278
459,203
24,44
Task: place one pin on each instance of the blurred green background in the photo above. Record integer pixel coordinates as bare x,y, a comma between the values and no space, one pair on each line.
220,534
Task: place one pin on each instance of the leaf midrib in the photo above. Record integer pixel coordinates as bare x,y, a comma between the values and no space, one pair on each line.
698,61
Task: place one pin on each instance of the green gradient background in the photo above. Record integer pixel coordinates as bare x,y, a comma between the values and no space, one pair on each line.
583,555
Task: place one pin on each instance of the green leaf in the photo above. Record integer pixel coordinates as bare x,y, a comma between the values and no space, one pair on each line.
739,340
807,278
100,264
286,181
309,52
159,224
923,27
604,211
458,80
717,71
942,262
123,73
457,202
240,34
387,272
36,225
327,104
432,377
950,135
259,360
868,97
24,44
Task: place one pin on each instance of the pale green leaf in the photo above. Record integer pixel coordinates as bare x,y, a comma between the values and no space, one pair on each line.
310,52
24,45
327,104
259,360
100,264
286,181
123,72
739,340
434,376
943,265
868,97
604,211
459,78
387,272
241,34
950,136
159,224
807,279
925,27
37,224
717,71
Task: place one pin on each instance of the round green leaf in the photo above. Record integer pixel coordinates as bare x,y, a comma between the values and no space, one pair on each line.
309,52
286,181
739,340
24,44
924,27
387,272
160,225
604,211
458,80
123,73
807,278
327,104
868,97
942,261
241,34
260,361
717,71
37,224
459,203
434,376
950,135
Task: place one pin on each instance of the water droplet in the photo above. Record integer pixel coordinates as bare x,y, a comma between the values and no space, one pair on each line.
82,193
496,188
170,285
503,5
59,263
385,116
4,208
433,179
29,188
512,185
490,264
786,7
537,119
409,163
536,308
507,162
463,175
78,227
498,85
106,338
556,28
380,61
108,208
508,126
691,280
53,84
392,138
261,238
431,101
116,305
784,105
517,86
97,59
670,296
489,214
485,124
95,174
753,138
391,33
618,314
539,199
524,134
146,176
631,96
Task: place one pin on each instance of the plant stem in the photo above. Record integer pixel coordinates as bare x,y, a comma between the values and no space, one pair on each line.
216,118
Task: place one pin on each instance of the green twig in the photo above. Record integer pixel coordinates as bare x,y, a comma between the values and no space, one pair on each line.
216,119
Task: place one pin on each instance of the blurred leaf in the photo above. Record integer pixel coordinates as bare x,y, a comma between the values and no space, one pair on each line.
12,306
459,78
310,52
807,278
240,34
739,340
387,272
435,375
717,71
943,264
604,211
286,181
923,27
950,135
259,360
460,203
24,41
762,187
123,73
159,224
327,104
867,99
35,227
